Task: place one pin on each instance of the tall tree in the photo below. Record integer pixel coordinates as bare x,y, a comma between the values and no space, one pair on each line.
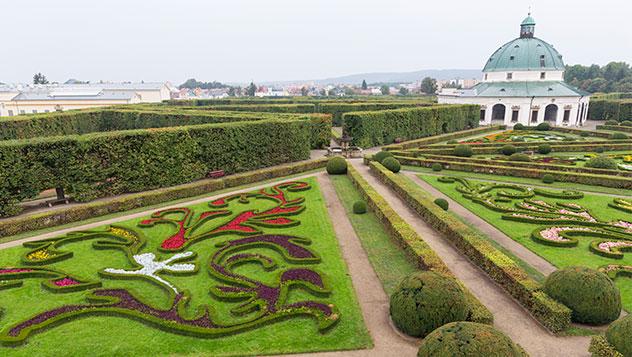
364,85
403,91
386,90
251,90
231,91
39,78
304,91
429,85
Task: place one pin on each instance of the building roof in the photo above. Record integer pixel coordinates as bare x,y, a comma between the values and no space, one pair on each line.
74,95
524,89
525,53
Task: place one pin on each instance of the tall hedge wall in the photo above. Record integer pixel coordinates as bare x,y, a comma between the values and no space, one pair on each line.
610,109
99,120
109,163
375,128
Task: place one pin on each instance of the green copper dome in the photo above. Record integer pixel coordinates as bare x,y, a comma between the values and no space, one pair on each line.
526,53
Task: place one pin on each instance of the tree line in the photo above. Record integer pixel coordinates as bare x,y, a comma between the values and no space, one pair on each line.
613,77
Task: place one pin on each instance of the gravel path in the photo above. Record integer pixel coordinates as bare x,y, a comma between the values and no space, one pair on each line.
489,230
509,316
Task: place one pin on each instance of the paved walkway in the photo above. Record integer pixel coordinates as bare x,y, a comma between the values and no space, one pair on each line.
373,300
509,316
143,213
489,230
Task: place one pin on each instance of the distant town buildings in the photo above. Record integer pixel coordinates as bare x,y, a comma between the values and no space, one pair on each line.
18,100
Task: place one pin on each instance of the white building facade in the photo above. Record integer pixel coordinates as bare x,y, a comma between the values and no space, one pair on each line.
523,82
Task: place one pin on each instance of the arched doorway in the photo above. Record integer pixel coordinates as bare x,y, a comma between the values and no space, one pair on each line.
550,113
498,112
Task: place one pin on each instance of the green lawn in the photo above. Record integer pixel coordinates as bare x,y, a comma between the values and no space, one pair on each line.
560,257
387,258
100,335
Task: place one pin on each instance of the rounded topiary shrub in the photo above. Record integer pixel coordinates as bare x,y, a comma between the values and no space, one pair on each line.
442,203
418,305
543,127
359,207
508,150
544,149
619,335
380,156
584,134
618,136
519,157
437,167
519,126
452,142
591,295
599,149
392,164
601,162
469,339
463,151
518,139
548,178
611,122
337,166
626,123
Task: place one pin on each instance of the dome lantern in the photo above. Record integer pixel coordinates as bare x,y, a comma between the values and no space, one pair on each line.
527,27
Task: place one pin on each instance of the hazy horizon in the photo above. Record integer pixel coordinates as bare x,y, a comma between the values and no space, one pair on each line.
245,40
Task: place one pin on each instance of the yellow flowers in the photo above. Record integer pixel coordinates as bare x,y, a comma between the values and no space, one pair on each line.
123,233
41,254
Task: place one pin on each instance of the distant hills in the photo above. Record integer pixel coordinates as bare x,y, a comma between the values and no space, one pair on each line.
393,77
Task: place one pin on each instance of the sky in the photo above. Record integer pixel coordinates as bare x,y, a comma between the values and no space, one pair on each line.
259,40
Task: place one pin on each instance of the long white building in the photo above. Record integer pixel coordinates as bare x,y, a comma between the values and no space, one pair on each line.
523,82
50,98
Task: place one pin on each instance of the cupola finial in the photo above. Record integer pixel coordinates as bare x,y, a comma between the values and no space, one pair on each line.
527,27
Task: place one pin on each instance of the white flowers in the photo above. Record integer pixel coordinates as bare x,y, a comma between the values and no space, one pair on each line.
151,267
553,233
607,246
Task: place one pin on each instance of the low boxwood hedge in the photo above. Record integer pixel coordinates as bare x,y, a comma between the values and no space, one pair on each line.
500,268
416,249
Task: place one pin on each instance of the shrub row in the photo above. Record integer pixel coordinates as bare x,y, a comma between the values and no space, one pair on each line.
26,223
414,246
443,137
500,268
618,145
110,163
607,109
627,129
528,164
375,128
100,120
512,170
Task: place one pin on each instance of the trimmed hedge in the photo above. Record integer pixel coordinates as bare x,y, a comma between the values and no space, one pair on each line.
74,213
380,156
450,137
626,129
100,120
418,305
516,171
376,128
618,335
441,202
416,249
591,295
600,347
111,163
466,339
500,268
610,109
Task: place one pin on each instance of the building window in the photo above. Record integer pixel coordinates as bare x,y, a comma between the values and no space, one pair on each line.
46,111
514,116
542,63
542,75
534,116
482,117
22,111
509,75
485,76
511,58
10,113
34,111
567,115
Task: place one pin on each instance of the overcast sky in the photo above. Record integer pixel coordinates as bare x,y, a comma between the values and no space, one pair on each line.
243,40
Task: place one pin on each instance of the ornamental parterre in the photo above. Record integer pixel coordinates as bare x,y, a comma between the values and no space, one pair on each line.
244,241
562,224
